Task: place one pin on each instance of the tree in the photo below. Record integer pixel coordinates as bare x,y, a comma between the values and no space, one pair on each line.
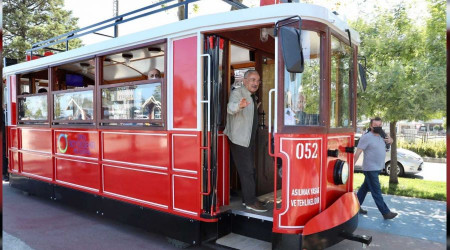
30,21
408,68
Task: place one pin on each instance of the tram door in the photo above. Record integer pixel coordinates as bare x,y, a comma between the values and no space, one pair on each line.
213,114
264,170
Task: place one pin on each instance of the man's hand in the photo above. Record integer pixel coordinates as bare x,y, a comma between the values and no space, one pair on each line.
389,140
243,103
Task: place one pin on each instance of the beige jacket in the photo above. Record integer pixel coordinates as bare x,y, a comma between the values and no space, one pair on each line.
239,121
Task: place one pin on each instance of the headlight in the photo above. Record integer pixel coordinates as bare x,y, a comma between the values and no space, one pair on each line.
341,172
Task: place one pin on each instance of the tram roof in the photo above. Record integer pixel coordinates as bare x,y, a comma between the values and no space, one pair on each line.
207,23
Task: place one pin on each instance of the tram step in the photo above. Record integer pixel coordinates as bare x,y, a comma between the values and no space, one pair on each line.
246,226
237,241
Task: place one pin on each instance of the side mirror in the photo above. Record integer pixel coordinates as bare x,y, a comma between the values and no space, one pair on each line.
362,75
292,49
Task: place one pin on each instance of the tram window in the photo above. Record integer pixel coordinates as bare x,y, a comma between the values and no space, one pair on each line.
73,92
341,68
76,75
302,90
32,99
141,102
134,65
31,83
74,105
132,87
33,108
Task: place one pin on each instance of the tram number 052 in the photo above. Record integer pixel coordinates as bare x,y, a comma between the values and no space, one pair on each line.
306,150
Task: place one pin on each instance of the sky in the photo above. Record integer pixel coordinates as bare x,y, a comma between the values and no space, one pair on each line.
99,10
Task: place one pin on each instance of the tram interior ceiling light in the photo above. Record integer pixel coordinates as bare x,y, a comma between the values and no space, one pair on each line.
84,67
154,49
341,172
127,57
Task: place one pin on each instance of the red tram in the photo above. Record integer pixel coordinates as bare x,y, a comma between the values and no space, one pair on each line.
89,127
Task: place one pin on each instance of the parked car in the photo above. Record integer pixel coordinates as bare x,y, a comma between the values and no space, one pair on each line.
408,161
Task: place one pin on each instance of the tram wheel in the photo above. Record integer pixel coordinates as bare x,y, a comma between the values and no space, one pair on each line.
178,243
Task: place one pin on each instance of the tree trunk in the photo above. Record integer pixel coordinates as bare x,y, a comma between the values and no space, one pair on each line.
393,175
180,12
234,8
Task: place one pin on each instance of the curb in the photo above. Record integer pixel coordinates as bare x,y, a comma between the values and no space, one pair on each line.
434,160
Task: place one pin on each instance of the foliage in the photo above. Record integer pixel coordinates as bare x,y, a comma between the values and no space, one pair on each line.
433,190
30,21
436,149
407,65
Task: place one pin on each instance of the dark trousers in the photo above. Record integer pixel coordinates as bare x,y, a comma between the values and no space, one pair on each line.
372,184
243,158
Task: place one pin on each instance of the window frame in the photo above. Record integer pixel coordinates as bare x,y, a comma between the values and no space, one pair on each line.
127,84
100,86
72,123
33,123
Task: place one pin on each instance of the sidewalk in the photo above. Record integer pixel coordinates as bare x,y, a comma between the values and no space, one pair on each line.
37,223
417,218
421,224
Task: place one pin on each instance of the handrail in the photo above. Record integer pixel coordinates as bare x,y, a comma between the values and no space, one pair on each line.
208,146
209,90
275,166
270,122
66,37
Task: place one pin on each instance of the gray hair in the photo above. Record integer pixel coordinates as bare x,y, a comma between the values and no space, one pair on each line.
250,71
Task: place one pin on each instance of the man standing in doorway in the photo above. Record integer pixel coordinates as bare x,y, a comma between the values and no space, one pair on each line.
242,124
374,147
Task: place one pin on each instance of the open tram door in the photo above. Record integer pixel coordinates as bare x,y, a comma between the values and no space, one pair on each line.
224,52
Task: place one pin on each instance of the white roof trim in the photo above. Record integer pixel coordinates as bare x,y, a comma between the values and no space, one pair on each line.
239,18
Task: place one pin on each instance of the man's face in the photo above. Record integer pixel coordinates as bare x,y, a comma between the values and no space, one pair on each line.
376,124
154,74
252,82
301,103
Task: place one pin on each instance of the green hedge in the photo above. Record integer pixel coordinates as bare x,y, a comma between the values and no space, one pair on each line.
435,149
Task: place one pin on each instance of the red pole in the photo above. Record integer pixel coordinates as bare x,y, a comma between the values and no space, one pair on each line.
269,2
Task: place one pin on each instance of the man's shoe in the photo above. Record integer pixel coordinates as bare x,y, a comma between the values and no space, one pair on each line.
262,203
389,215
257,207
362,211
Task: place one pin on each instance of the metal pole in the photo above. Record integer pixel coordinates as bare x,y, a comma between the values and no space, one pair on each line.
116,13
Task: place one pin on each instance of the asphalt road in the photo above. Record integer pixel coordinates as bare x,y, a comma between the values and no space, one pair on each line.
30,222
433,172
